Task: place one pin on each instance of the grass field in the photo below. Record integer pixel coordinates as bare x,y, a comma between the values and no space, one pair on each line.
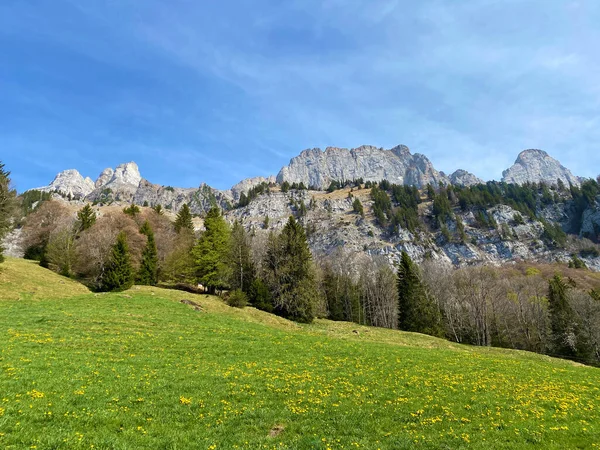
142,370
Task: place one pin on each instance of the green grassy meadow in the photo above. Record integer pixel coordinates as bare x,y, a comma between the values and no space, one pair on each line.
141,370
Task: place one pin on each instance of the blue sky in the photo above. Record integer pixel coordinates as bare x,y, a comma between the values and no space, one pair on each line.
206,91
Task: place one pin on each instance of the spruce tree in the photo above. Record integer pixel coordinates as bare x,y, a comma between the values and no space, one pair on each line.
118,275
562,319
184,219
158,209
7,205
211,251
416,310
148,273
357,207
86,217
290,274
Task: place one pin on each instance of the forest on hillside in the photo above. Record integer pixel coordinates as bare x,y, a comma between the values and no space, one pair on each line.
553,310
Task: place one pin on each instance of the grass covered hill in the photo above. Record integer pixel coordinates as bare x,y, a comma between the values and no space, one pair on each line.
141,369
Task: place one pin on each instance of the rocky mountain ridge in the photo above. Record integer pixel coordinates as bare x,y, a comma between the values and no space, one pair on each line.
313,167
332,222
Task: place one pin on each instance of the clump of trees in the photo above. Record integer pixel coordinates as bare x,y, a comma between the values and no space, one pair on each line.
7,205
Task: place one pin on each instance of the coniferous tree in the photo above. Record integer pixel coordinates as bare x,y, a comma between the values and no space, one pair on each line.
7,205
158,209
184,219
239,259
148,273
562,319
290,274
86,217
118,275
211,251
416,310
132,210
357,207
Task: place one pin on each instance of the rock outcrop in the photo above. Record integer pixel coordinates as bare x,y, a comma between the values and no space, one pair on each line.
463,178
317,168
537,166
70,183
247,184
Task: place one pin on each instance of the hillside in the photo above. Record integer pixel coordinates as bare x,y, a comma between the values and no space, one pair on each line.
142,370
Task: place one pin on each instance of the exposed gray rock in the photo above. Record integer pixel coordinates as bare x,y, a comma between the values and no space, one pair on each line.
316,168
70,183
463,178
590,222
537,166
104,177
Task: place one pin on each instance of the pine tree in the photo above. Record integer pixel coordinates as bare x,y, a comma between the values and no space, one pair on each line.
240,262
184,219
148,273
86,217
357,207
118,275
158,209
211,251
562,319
290,274
7,205
132,210
416,310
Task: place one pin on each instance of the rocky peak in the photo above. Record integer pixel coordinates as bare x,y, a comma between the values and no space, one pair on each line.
536,166
104,177
127,173
316,168
463,178
70,182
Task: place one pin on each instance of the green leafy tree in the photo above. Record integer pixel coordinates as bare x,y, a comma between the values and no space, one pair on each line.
290,274
118,275
86,217
416,309
148,273
184,219
241,268
7,205
212,250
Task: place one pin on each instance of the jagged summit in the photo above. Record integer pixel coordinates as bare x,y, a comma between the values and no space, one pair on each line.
317,168
70,183
534,165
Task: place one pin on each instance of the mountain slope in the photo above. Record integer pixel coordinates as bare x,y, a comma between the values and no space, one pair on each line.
141,370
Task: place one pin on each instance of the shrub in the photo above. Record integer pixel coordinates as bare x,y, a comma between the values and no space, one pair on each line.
237,299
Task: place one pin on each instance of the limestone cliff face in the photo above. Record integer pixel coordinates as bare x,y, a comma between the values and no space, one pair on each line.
537,166
70,183
317,168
